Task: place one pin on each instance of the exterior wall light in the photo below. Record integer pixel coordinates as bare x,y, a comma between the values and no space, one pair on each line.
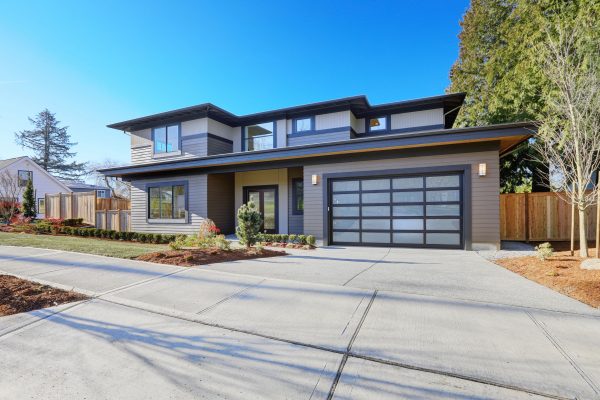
482,169
315,179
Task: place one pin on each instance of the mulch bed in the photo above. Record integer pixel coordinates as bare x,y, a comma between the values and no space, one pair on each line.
189,258
561,272
18,295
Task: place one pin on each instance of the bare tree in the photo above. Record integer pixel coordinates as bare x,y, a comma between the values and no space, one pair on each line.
119,188
10,191
569,135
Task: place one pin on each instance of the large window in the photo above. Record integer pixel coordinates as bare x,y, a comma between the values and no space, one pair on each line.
298,196
24,177
377,124
259,136
167,202
166,139
41,205
303,125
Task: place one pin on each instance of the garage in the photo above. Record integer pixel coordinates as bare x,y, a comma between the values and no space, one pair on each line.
397,210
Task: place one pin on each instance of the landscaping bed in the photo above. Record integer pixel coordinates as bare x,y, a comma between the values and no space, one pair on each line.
560,272
191,257
18,295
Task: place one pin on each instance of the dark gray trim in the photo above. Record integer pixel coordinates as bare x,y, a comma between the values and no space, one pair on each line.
359,105
260,188
313,126
388,125
184,183
402,130
295,210
375,143
465,169
206,135
179,140
341,129
19,178
274,122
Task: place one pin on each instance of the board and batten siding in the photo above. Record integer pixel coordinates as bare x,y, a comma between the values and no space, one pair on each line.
485,197
197,205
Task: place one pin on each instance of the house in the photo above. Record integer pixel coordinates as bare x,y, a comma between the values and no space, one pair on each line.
345,171
24,169
102,192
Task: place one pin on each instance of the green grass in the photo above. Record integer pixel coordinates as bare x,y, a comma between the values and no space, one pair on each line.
100,247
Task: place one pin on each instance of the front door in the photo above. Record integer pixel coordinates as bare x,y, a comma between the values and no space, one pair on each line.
265,198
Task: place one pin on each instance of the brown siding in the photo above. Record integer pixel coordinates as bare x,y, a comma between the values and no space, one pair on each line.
221,201
485,199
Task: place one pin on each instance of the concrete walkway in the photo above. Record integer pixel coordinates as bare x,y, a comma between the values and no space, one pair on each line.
369,325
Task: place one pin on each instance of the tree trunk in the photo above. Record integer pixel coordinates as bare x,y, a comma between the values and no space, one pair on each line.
583,247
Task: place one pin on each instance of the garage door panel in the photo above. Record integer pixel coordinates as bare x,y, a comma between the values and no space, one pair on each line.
417,211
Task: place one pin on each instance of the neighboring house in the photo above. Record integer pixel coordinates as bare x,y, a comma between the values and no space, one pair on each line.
103,192
345,171
23,169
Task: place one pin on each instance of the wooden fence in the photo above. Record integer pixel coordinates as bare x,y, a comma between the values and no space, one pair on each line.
540,217
103,213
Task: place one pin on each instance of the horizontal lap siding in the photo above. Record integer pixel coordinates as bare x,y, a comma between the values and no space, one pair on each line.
485,198
318,138
216,146
197,205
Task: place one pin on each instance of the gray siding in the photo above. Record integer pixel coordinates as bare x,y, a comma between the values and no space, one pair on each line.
221,201
297,140
216,146
141,154
197,205
295,222
485,198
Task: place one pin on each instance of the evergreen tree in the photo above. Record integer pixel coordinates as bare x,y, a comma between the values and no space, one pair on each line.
29,201
51,146
499,68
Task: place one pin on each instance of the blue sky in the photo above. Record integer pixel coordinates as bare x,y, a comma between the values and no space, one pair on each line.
94,63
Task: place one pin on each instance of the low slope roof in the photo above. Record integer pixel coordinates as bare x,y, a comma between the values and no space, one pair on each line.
507,136
359,105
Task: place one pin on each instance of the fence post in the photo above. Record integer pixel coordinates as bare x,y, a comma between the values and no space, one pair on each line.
95,209
527,234
598,224
46,205
572,224
60,213
72,206
119,220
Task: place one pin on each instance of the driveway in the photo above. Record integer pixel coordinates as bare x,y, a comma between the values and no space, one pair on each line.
332,323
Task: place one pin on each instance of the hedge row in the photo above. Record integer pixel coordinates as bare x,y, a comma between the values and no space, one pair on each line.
156,238
282,238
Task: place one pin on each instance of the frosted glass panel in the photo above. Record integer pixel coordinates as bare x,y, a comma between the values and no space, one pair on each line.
346,224
443,238
346,237
442,181
376,211
408,197
376,197
348,198
345,186
376,224
376,184
408,211
408,238
375,237
408,183
443,224
408,224
443,210
443,195
345,211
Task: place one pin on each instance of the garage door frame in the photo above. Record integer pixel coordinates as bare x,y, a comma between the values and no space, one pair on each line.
465,170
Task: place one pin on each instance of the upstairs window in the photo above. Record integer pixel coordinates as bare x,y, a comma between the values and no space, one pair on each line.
377,124
167,202
303,125
166,139
24,177
259,136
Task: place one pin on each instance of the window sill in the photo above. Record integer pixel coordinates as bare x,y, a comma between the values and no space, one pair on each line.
168,221
169,154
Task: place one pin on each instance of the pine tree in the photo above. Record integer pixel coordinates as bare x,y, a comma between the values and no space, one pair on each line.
51,145
29,201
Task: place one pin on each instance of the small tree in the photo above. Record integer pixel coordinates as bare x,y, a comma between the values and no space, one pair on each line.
570,132
9,195
249,222
29,201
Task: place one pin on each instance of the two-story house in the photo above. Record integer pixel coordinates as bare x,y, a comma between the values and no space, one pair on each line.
346,171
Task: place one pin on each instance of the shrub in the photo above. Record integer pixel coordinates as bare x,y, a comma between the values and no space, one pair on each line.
29,200
157,238
72,222
544,251
310,240
292,238
302,239
249,222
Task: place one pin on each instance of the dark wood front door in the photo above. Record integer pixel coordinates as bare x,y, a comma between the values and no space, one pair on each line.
265,198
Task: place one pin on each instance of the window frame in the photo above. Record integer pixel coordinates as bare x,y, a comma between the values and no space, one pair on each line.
39,209
245,136
295,130
295,209
103,195
166,127
368,128
170,184
19,177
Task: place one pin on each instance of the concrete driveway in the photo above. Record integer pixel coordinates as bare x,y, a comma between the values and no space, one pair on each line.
331,323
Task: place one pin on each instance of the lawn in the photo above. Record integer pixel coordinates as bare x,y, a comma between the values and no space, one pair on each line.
100,247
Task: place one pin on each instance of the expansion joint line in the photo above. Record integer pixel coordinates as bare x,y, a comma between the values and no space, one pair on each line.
368,268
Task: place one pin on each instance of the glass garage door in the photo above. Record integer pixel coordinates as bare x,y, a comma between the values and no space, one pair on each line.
409,211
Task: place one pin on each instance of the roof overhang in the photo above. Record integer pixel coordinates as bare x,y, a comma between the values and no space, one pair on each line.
359,105
506,135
